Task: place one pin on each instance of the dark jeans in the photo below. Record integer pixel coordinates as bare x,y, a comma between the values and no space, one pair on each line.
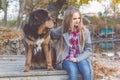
73,69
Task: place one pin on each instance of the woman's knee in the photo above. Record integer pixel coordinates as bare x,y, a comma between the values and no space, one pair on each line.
73,71
85,69
71,68
84,66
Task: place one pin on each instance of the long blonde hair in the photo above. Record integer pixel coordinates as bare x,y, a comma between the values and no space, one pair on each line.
67,24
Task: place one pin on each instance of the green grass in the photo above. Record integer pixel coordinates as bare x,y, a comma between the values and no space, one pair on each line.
10,23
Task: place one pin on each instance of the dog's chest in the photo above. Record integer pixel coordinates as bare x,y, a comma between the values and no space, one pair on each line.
38,45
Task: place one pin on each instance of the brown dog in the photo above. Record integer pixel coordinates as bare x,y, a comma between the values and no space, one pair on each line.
36,40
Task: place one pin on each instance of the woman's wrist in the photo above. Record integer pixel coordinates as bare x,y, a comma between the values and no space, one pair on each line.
76,60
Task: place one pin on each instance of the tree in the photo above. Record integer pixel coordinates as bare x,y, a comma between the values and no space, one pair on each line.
114,3
54,6
4,6
20,14
58,6
1,4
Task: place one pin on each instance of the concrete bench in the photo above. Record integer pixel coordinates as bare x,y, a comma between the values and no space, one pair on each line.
11,67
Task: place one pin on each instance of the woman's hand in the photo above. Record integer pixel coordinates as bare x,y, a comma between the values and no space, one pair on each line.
73,59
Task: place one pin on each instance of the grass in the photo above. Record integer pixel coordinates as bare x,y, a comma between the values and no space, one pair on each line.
10,23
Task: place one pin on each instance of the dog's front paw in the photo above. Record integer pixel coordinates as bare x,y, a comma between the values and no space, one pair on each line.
50,68
26,69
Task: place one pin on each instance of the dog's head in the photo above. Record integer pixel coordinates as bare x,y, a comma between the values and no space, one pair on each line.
39,23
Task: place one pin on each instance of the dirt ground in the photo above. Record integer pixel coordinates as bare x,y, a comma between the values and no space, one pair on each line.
106,67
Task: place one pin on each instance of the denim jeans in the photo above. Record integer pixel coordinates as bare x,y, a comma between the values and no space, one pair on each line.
73,69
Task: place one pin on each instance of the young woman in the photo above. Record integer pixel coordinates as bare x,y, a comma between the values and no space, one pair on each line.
74,45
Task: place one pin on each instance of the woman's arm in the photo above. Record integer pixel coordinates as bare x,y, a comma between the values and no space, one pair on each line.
56,33
87,49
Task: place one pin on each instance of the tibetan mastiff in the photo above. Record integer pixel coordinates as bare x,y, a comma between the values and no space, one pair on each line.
36,40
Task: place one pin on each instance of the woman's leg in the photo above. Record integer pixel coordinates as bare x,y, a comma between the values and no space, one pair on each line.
72,69
84,67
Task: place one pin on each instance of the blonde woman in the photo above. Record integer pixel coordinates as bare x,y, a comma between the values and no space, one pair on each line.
74,46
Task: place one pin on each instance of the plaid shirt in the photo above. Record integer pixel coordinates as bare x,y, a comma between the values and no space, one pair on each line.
74,50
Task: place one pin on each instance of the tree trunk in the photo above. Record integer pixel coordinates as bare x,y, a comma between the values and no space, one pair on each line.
54,8
4,6
21,12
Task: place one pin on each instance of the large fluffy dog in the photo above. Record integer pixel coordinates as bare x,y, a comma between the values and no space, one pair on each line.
36,40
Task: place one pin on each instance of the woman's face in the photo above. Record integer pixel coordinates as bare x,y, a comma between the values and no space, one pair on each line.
76,19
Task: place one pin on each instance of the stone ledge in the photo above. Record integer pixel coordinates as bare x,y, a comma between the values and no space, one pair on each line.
11,67
36,75
32,73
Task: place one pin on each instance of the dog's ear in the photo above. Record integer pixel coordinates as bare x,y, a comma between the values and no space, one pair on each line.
26,29
36,18
39,16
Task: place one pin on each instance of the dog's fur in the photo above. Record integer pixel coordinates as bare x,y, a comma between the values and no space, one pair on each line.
36,40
